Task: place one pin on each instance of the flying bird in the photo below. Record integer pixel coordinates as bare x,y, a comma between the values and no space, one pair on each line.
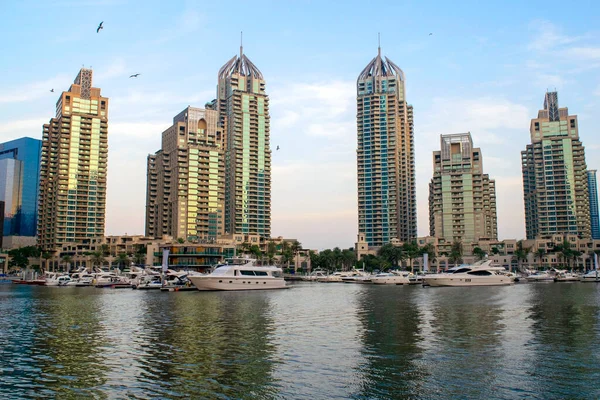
430,34
52,90
134,75
100,27
277,147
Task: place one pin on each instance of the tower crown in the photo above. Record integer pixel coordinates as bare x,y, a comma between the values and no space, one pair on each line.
378,67
240,65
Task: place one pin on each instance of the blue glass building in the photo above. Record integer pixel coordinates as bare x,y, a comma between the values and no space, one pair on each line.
19,185
593,194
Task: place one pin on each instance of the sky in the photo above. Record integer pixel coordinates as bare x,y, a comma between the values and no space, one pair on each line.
479,67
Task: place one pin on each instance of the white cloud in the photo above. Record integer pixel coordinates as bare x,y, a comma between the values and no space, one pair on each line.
548,36
23,127
187,22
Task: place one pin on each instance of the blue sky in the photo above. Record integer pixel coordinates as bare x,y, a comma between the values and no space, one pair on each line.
484,69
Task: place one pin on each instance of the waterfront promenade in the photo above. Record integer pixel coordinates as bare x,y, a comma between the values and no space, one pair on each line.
316,341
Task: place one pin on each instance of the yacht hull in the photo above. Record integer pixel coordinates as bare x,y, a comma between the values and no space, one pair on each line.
236,283
471,281
390,280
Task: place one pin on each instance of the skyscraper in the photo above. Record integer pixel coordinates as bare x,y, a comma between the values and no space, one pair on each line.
386,163
19,185
243,107
186,187
73,166
555,185
462,199
593,195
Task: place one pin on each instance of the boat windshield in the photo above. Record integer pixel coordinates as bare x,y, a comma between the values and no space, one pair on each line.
221,270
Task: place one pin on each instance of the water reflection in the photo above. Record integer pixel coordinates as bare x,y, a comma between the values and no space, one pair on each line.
565,340
391,339
313,341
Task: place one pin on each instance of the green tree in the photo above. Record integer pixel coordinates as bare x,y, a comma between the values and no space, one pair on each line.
411,251
521,253
373,263
495,250
123,261
348,259
326,260
392,254
255,251
46,256
315,260
479,253
337,257
20,257
180,240
271,251
96,258
456,252
539,254
139,257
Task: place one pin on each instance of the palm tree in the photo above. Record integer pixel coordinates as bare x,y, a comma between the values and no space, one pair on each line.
521,253
456,252
255,251
411,251
337,257
139,257
429,249
67,259
326,260
348,258
96,258
315,260
479,253
393,254
122,260
46,256
271,251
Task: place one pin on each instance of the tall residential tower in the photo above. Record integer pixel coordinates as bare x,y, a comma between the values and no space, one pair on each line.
72,199
462,199
243,108
387,206
185,187
555,185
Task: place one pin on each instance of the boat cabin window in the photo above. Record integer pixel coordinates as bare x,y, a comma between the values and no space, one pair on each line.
480,273
260,273
277,274
247,273
461,270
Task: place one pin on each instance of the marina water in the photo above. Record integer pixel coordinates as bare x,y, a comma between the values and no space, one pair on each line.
313,341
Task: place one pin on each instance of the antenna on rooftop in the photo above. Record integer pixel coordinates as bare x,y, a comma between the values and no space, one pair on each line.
241,43
379,43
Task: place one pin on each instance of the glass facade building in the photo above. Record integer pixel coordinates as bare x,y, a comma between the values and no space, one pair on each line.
19,185
462,199
185,193
387,206
555,181
243,107
73,169
593,194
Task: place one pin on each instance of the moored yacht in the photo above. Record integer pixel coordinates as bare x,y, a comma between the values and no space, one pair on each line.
391,278
591,276
357,276
544,276
240,274
481,273
566,277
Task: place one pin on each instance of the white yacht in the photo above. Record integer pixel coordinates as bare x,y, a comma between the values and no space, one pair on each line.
335,277
240,274
391,278
591,276
544,276
481,273
357,276
57,279
315,275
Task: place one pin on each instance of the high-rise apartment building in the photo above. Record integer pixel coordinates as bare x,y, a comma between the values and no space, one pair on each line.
555,185
72,199
387,206
593,195
462,199
186,187
243,107
19,185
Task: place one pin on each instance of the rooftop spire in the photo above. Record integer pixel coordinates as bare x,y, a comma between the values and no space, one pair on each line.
379,44
241,43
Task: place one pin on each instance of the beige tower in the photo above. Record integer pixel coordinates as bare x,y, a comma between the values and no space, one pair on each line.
387,207
72,198
462,199
185,179
243,107
555,183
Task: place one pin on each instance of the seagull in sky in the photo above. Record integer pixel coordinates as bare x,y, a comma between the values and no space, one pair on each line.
277,147
100,27
134,75
52,90
430,34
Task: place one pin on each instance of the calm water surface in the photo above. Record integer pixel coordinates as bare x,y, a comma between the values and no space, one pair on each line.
311,342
